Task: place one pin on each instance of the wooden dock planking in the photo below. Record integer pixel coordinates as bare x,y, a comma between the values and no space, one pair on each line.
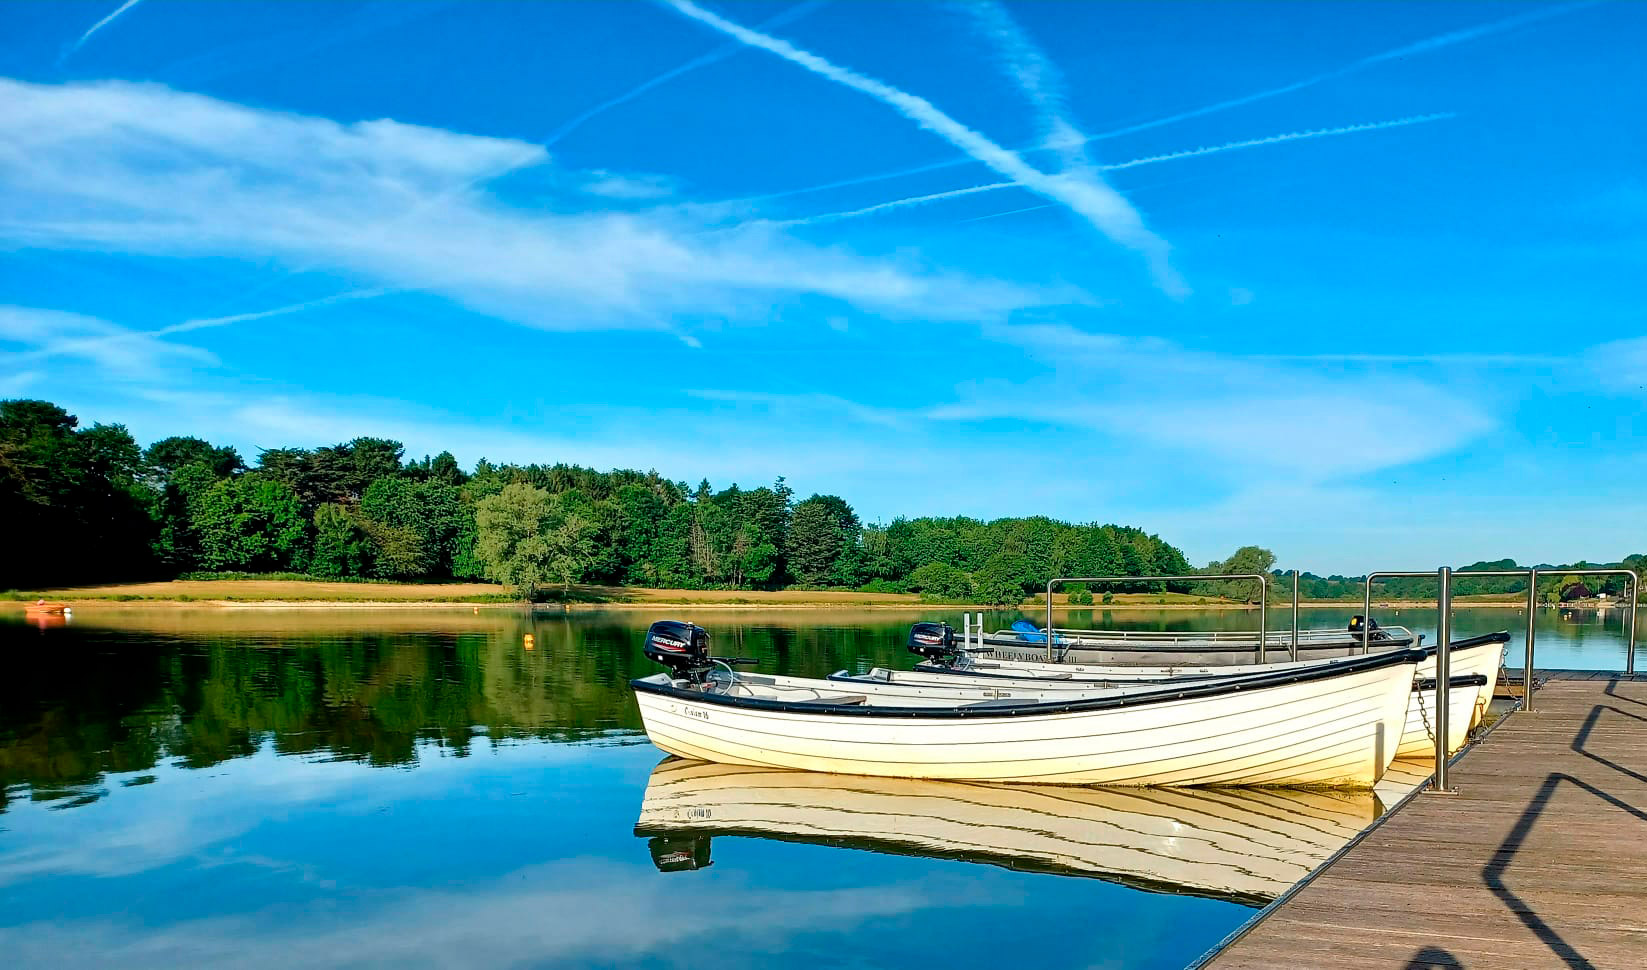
1540,860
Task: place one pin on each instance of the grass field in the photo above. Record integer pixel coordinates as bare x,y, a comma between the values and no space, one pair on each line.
276,592
316,593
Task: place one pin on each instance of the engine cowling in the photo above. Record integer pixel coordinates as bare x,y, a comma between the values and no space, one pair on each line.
1358,623
682,647
934,641
680,853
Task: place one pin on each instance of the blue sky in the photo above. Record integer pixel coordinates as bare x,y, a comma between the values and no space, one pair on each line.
1358,282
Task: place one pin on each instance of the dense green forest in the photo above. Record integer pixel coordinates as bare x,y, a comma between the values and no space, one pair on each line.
90,505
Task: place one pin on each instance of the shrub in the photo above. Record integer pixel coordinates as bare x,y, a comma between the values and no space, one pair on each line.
941,582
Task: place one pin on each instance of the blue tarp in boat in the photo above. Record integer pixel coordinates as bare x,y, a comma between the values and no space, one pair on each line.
1028,632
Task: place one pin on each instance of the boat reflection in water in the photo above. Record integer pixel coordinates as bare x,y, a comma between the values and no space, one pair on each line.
1241,845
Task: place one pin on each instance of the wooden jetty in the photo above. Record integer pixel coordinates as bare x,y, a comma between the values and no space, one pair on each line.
1539,860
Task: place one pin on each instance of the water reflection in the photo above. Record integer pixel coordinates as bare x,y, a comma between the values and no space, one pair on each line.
342,788
121,690
1243,846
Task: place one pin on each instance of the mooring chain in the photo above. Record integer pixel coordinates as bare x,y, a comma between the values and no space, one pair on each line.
1424,713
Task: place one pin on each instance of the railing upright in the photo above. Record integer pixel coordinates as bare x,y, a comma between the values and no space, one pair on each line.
1443,676
1527,657
1295,614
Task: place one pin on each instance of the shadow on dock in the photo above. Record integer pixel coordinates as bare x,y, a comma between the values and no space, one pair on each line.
1491,877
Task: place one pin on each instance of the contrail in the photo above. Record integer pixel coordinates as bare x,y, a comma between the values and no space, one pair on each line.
1103,207
718,54
1009,212
894,204
1037,76
98,26
1425,46
1277,139
206,322
1118,166
1471,33
201,323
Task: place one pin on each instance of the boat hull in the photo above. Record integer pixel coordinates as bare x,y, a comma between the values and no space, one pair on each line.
1466,706
1482,655
1337,731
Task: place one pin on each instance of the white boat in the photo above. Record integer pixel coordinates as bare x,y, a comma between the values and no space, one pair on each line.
1334,726
1474,663
1241,845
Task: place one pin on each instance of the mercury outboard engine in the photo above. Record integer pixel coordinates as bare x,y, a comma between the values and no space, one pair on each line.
675,853
1359,622
934,641
682,647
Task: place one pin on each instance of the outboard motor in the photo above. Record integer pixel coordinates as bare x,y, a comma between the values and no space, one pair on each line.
682,647
677,853
1359,622
934,641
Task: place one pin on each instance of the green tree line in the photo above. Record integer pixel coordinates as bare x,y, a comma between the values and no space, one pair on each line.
92,505
1557,582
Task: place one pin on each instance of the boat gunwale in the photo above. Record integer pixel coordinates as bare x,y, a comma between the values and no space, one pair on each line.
1468,643
1188,690
1066,643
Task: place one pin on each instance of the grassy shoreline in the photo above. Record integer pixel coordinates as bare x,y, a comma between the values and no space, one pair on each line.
312,594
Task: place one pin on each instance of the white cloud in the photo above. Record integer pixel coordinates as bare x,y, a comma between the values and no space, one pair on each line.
114,350
1621,365
144,169
612,185
13,385
551,914
1305,421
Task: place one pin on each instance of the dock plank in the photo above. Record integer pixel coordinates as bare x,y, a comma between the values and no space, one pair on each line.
1540,860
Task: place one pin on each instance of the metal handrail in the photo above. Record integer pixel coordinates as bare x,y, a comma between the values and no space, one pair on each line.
1632,582
1263,597
1532,603
1366,600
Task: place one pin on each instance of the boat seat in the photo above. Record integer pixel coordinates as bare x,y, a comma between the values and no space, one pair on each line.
844,700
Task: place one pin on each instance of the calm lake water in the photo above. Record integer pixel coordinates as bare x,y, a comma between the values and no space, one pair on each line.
419,788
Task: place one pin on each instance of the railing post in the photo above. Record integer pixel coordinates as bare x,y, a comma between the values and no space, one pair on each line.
1532,635
1366,615
1630,638
1049,619
1295,614
1443,674
1263,616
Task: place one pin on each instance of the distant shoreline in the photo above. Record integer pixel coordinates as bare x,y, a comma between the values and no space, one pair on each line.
317,595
